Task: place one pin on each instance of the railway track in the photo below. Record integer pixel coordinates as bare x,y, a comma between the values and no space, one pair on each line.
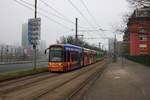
78,93
50,85
21,79
60,85
12,85
69,97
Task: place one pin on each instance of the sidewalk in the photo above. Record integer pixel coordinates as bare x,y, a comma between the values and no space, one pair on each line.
122,81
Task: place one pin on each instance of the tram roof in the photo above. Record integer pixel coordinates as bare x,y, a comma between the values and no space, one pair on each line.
74,47
70,45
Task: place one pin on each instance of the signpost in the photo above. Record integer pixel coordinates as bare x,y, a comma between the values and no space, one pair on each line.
34,34
34,31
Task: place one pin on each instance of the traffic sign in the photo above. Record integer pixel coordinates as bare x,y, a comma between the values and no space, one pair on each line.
34,30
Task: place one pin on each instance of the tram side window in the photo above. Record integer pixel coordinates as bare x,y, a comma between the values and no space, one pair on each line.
65,55
74,56
68,55
77,58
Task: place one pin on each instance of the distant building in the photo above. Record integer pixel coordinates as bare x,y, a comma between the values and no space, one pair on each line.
25,43
137,35
10,50
119,48
111,46
25,35
126,43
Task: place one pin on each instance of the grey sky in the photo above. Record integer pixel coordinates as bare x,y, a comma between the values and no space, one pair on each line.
108,13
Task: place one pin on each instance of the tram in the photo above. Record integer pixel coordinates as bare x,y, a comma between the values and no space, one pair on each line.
66,57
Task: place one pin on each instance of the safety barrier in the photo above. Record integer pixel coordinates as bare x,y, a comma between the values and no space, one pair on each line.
143,59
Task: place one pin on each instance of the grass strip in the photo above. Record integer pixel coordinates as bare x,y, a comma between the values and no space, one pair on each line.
18,74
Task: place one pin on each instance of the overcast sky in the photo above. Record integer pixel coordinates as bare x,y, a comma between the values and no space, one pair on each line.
107,14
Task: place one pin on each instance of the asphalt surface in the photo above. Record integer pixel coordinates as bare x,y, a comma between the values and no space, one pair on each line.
122,81
22,66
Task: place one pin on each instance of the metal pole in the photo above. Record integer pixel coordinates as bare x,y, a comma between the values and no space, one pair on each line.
15,54
99,46
1,53
83,50
35,8
102,47
7,52
76,32
34,45
115,49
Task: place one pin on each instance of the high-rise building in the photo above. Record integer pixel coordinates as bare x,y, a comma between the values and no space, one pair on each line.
111,46
25,35
25,43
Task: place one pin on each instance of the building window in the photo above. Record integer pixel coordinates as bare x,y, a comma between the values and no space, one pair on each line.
142,13
143,37
142,30
142,46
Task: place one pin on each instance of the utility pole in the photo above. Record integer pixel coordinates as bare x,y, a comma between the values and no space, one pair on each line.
76,32
7,53
115,49
15,54
2,53
34,45
82,49
102,47
99,46
35,9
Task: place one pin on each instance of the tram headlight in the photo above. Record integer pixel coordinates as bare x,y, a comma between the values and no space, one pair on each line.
50,64
60,64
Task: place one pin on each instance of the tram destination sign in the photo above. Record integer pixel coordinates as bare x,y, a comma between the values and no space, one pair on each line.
34,31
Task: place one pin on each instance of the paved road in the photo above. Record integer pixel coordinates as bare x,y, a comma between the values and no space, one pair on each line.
130,81
15,67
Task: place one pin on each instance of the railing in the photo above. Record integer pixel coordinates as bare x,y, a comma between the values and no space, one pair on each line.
143,59
20,60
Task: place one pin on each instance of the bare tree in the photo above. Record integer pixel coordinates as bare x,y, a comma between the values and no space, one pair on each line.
139,3
71,40
121,28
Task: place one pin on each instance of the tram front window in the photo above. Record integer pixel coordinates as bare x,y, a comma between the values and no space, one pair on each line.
56,54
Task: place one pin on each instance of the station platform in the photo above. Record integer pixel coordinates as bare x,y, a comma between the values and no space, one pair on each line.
123,80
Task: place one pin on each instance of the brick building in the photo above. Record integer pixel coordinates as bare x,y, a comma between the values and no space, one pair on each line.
137,34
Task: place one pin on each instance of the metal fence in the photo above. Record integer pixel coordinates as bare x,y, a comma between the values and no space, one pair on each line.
143,59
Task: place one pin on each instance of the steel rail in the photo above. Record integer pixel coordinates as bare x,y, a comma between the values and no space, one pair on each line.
90,80
61,84
26,84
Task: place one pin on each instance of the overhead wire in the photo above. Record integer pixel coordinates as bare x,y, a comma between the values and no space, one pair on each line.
88,30
83,3
24,4
46,11
47,17
98,38
91,15
59,13
78,10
